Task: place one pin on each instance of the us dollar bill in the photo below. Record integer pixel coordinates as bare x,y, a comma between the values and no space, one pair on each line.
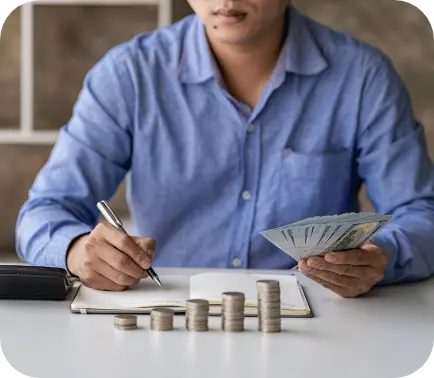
355,236
319,235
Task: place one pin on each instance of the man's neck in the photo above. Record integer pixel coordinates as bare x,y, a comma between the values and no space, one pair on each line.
246,69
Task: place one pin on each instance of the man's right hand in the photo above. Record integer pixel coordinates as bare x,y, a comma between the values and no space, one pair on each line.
107,259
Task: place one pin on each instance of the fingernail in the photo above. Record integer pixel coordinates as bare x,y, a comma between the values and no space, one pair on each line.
304,266
150,252
330,257
312,263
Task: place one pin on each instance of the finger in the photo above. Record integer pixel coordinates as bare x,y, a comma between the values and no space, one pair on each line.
359,256
114,275
120,261
331,277
342,291
357,271
127,245
96,281
148,245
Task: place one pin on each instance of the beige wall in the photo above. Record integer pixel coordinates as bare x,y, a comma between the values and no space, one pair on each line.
84,34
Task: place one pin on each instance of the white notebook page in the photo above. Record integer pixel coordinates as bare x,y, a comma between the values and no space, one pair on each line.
210,286
146,294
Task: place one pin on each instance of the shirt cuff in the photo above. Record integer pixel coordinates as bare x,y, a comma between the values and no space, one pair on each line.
56,251
382,241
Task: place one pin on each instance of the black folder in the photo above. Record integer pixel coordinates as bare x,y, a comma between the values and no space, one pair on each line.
33,283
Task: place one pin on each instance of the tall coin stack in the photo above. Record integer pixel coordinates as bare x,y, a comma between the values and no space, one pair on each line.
162,319
233,312
196,317
269,318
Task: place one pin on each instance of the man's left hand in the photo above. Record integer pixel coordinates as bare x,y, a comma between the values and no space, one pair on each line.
347,273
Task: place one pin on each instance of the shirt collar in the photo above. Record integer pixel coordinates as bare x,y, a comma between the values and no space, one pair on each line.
300,54
197,61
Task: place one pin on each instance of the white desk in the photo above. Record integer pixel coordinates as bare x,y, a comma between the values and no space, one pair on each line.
388,334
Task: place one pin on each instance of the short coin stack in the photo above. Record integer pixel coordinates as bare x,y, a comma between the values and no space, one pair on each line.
269,318
196,317
162,319
125,322
232,312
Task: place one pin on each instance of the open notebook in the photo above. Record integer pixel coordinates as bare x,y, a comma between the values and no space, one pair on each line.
178,289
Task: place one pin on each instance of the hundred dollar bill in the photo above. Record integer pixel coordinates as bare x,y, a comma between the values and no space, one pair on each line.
355,236
319,235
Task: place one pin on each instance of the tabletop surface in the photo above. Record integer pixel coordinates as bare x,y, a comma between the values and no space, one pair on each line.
388,333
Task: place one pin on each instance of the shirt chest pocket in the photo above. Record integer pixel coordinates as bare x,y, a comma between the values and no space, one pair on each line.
315,183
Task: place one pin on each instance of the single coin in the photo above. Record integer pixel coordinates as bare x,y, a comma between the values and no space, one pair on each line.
233,295
162,312
268,283
202,303
125,328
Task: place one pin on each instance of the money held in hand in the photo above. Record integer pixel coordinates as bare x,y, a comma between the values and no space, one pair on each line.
320,235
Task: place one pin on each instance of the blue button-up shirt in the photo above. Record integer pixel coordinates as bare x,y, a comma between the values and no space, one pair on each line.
206,174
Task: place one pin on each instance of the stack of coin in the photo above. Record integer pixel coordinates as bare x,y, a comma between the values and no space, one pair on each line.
125,322
162,319
233,312
196,317
269,318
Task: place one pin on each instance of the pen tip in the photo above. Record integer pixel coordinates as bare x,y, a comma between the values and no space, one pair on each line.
157,280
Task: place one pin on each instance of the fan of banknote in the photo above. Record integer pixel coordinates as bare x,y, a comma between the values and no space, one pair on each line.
318,235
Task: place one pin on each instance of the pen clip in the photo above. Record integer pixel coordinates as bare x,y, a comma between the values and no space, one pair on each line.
108,214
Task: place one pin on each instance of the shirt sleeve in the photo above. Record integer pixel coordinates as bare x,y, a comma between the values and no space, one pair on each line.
393,161
89,161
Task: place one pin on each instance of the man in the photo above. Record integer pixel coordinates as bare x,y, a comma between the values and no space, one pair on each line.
243,117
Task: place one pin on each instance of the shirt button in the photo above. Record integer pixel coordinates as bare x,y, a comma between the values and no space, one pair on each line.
246,195
251,128
236,262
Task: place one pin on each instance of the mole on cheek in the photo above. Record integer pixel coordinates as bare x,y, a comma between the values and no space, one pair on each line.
214,27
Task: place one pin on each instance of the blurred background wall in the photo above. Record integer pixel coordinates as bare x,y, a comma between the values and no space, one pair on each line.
69,40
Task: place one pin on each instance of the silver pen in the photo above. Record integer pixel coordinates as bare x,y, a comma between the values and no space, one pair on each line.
114,220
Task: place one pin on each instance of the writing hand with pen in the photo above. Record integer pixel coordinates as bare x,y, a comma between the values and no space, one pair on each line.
109,259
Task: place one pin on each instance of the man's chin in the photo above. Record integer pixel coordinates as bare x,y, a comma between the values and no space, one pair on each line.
231,37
